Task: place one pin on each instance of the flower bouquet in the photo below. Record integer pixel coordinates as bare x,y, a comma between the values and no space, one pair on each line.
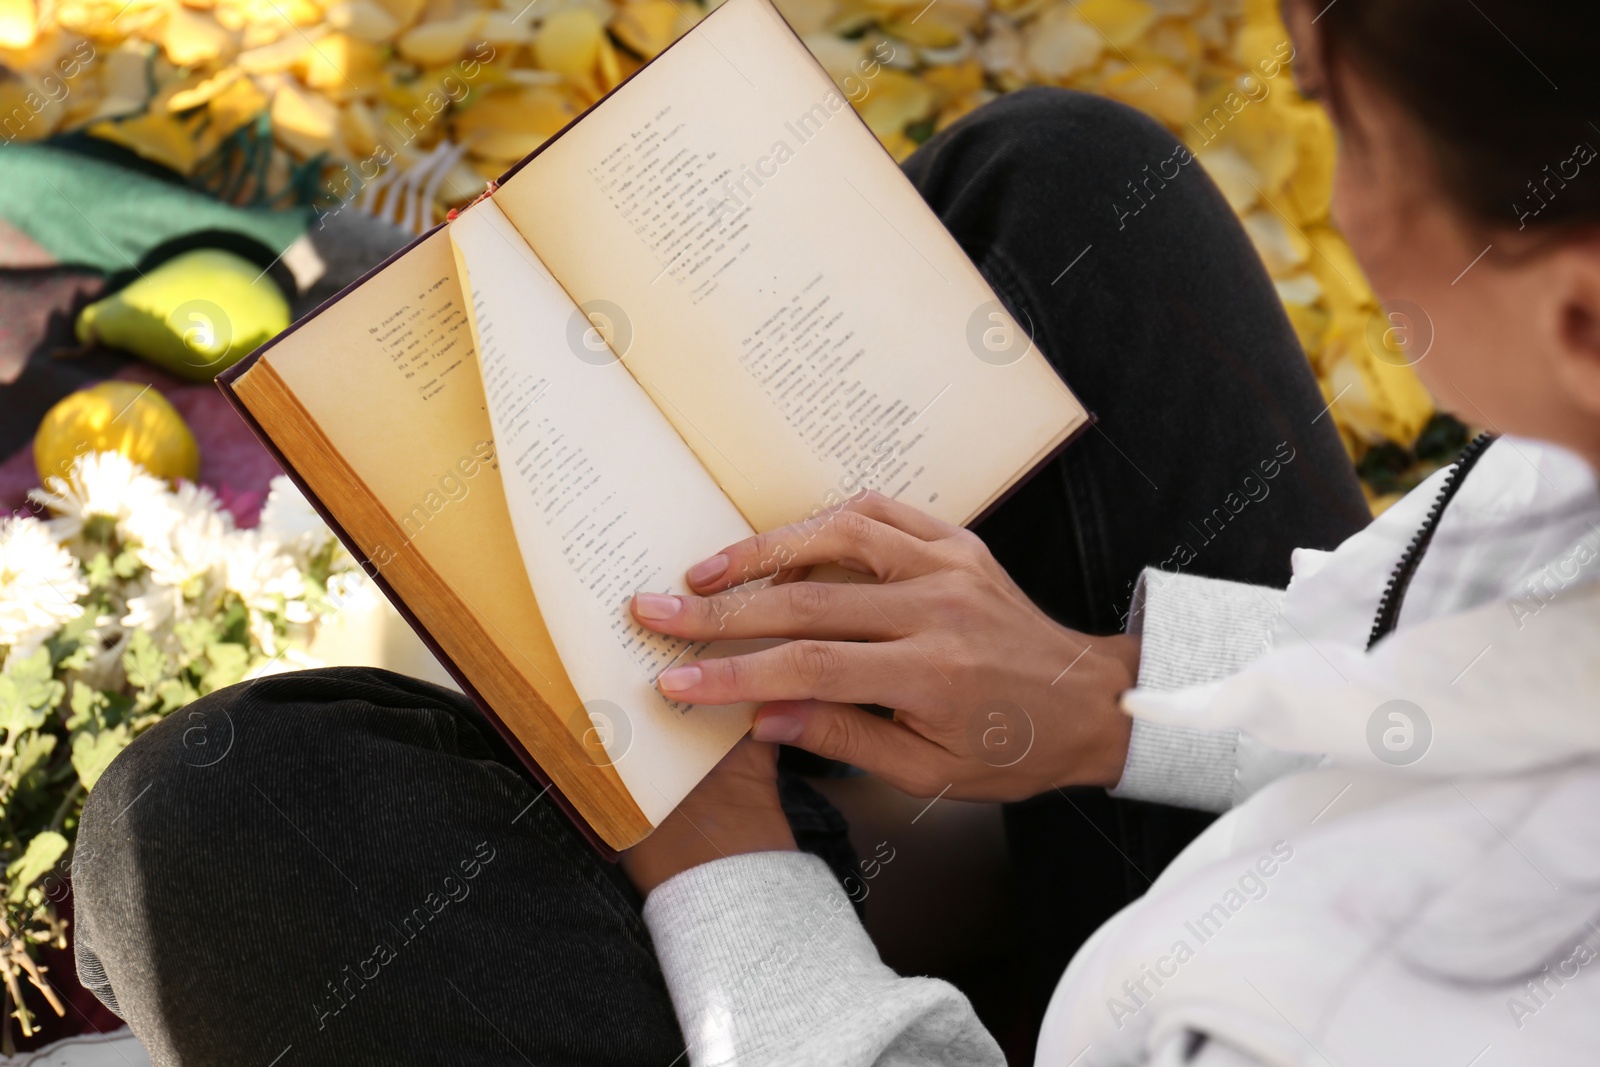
123,599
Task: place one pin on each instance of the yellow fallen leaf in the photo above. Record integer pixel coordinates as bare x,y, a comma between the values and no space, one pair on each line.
190,38
1233,175
1169,41
236,106
959,79
1301,289
1384,401
358,128
19,23
1380,502
366,19
609,67
504,30
157,136
1122,21
648,26
507,124
1263,130
1280,247
851,17
1003,53
840,57
124,81
405,12
900,146
1059,44
279,56
569,43
25,113
808,16
440,41
1021,9
303,122
894,100
1341,277
342,65
487,169
1309,192
1310,324
1262,40
1158,90
962,106
203,91
933,27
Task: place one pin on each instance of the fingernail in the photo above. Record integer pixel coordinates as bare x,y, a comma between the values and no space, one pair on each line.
708,570
679,678
655,605
780,729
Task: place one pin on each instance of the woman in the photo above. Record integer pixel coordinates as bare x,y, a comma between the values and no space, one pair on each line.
1407,871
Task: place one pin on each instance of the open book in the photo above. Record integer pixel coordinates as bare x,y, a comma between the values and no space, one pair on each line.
711,305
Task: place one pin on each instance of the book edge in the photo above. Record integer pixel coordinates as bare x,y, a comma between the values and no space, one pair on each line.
374,572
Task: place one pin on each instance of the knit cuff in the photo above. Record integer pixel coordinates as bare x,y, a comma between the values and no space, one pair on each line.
758,949
1194,630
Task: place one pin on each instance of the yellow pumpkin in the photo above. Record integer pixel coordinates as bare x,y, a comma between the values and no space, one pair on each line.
114,416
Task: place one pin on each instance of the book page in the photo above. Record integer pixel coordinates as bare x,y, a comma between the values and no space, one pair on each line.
787,298
388,375
376,404
606,500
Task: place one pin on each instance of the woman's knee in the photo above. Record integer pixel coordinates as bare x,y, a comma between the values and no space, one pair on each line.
1042,141
191,788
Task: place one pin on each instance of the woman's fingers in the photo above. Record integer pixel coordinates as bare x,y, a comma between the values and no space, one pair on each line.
834,611
891,751
868,672
900,515
855,540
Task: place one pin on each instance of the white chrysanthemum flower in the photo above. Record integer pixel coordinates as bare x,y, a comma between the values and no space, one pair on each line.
257,569
39,585
189,504
189,553
105,485
104,669
288,518
155,609
352,588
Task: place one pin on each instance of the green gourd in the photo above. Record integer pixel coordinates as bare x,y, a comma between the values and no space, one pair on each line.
194,316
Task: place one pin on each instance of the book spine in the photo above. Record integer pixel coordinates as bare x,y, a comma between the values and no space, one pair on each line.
225,383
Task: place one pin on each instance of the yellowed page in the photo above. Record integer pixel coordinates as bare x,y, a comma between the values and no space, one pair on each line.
403,405
606,501
377,403
795,308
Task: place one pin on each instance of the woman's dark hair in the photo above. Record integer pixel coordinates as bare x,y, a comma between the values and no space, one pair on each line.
1507,92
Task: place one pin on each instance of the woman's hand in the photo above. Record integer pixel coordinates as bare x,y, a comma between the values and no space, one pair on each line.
993,700
734,809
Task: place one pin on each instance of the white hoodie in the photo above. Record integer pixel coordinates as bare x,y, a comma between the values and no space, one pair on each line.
1425,888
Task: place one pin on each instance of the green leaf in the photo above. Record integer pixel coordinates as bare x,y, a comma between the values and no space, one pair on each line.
33,750
228,665
195,636
88,704
175,693
97,571
127,563
146,665
28,690
43,852
92,752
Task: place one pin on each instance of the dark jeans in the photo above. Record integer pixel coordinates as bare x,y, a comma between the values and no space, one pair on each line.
347,867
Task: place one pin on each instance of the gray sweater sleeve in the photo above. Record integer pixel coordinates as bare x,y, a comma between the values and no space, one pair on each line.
766,963
763,955
1198,630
